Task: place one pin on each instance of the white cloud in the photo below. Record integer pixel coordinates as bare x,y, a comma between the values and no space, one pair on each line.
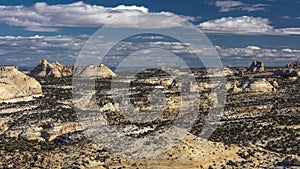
290,50
238,25
245,25
286,17
230,5
34,48
19,50
256,51
293,31
253,47
44,17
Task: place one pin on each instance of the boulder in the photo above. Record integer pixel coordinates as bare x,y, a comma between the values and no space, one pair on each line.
94,71
46,69
256,66
15,84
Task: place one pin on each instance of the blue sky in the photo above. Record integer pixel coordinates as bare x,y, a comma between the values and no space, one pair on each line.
240,30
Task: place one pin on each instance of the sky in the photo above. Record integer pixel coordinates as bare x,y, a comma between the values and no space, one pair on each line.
239,30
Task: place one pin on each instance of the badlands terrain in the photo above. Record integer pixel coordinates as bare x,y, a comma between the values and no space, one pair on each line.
42,125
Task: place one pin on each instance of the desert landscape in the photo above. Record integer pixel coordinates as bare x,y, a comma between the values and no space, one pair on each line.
146,84
259,127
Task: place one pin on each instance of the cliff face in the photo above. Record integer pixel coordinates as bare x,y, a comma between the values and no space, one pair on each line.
46,69
15,84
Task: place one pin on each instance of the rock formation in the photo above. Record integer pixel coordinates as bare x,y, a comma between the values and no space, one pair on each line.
32,133
15,84
233,87
54,130
45,69
288,73
228,72
260,85
293,65
256,66
6,68
94,71
253,86
290,162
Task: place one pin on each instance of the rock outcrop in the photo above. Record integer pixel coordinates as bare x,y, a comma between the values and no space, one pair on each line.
46,69
15,84
54,130
292,71
260,85
233,87
293,65
32,133
290,162
94,71
253,86
228,72
256,66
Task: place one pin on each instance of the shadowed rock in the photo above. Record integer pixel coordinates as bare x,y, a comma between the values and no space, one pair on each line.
256,66
293,65
292,71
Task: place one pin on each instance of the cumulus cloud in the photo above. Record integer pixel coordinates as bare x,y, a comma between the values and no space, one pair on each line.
230,5
256,51
239,25
44,17
245,25
293,31
27,51
243,56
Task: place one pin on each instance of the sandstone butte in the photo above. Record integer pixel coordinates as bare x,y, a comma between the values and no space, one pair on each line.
15,84
46,69
57,70
94,71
